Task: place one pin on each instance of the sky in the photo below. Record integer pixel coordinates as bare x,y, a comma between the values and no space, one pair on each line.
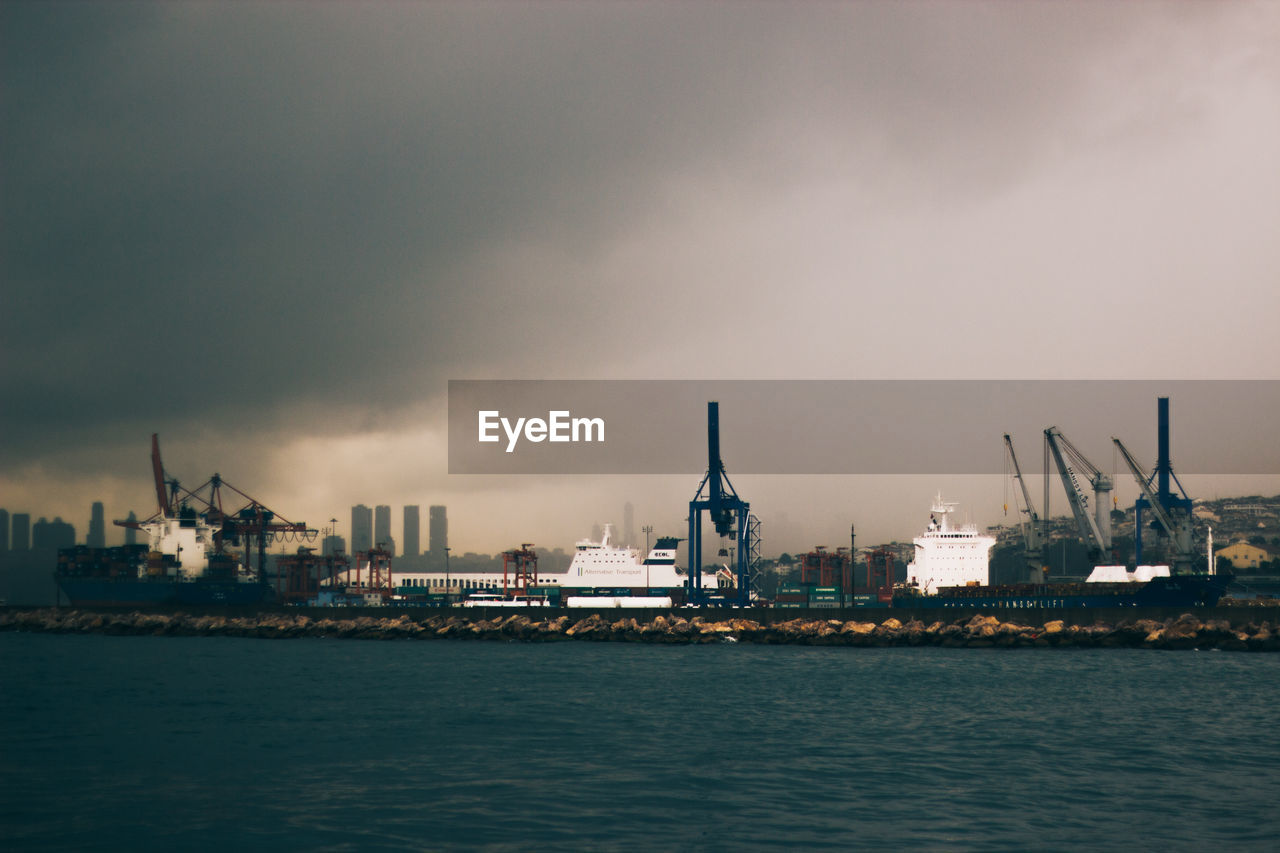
272,232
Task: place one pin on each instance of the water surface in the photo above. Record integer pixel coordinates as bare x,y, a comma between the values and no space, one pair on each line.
205,742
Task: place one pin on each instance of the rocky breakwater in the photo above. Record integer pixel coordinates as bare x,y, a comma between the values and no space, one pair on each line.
1182,632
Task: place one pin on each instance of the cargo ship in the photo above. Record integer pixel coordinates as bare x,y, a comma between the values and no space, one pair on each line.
1198,590
951,570
178,565
183,560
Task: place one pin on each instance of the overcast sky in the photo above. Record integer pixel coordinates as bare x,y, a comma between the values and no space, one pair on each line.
272,232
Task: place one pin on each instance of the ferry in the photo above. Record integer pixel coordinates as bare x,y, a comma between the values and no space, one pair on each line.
601,574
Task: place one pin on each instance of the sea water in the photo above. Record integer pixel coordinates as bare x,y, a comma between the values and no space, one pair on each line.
210,743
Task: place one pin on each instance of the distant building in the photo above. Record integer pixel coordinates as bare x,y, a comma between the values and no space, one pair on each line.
628,525
412,517
21,531
131,535
4,530
437,531
1205,514
1243,555
97,537
382,526
331,545
361,528
53,534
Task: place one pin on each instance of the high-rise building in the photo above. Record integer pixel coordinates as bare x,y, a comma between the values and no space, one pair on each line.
628,525
21,531
4,530
409,534
437,531
131,535
382,529
361,528
97,537
53,534
331,545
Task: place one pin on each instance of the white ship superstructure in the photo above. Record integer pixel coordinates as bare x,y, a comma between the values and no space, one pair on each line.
602,564
595,565
187,541
949,556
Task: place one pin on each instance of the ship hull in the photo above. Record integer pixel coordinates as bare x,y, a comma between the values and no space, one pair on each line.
1176,591
107,592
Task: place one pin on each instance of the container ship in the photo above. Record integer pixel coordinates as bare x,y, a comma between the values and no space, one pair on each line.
184,560
179,565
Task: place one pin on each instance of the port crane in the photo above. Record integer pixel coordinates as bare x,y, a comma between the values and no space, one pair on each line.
730,515
251,520
1095,528
1032,541
1172,513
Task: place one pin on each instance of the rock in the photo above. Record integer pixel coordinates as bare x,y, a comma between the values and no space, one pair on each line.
982,629
889,632
1184,631
1262,641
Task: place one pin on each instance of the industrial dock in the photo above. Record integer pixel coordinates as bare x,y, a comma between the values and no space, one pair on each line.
199,553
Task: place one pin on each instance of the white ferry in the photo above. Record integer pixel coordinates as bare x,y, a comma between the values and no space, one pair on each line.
948,556
601,575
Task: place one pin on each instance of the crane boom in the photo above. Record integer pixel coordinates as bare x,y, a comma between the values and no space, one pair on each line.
1031,525
1090,527
162,496
1144,483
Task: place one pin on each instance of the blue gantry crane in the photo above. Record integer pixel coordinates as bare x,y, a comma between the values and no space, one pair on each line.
732,519
1172,510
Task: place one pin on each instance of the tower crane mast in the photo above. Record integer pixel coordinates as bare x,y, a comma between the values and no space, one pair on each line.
1173,512
1175,528
730,516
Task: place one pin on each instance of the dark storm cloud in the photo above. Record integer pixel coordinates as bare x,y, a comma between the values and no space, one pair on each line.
257,216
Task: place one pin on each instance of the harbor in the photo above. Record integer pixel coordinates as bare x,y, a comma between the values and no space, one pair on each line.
198,553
